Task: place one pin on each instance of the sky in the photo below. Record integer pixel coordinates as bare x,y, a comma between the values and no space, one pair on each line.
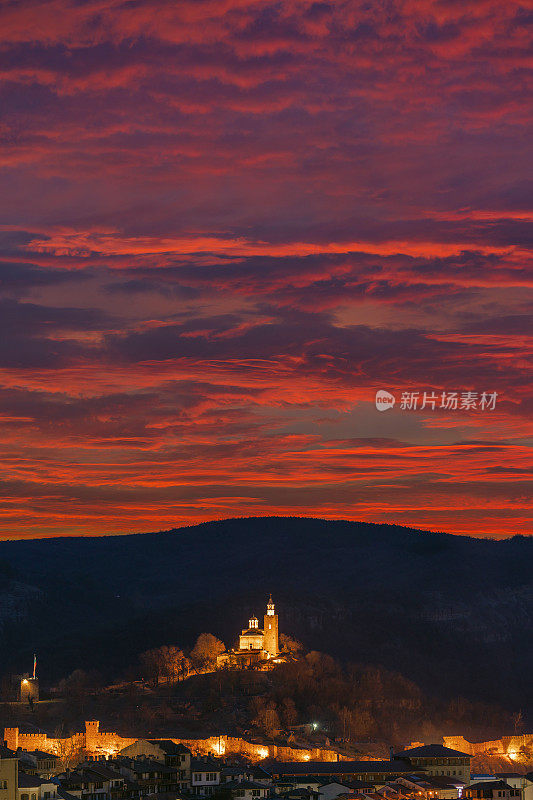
226,224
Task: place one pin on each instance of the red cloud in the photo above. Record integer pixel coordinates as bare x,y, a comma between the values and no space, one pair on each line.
225,225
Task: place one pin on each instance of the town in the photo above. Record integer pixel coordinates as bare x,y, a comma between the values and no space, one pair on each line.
304,762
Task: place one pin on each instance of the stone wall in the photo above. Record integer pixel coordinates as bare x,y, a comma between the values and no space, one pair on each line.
103,743
508,746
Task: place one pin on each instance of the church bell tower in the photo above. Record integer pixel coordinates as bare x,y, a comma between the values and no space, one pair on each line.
270,629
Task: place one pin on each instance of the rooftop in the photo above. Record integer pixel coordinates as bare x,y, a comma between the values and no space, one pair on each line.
431,751
510,775
169,747
206,765
41,755
244,785
28,781
396,767
497,784
65,795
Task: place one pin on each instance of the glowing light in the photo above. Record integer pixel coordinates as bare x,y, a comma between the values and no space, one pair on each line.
24,682
262,752
219,747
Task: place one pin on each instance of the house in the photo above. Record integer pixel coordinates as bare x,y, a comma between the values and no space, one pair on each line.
286,785
301,794
37,762
245,789
491,790
245,781
376,773
32,787
261,775
205,776
435,759
518,781
147,776
431,786
242,772
92,780
9,768
333,789
167,752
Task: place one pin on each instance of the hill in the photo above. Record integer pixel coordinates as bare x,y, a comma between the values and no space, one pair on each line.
452,613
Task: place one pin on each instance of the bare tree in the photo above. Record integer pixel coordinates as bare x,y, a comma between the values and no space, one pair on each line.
165,662
289,712
69,747
205,651
518,722
289,645
267,720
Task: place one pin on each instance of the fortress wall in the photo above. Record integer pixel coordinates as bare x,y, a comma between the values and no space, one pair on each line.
97,742
509,746
28,741
225,745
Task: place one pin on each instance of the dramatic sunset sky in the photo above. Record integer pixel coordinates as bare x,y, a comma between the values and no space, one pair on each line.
225,224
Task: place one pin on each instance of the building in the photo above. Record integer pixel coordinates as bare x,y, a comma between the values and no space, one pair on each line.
32,787
246,781
37,762
265,639
491,790
435,759
333,789
146,776
256,645
9,769
18,785
92,781
430,786
168,753
29,690
247,790
519,781
205,776
375,773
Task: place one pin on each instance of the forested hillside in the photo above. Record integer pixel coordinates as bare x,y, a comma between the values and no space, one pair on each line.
452,613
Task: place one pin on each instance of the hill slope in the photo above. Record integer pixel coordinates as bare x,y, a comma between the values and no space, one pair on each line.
455,614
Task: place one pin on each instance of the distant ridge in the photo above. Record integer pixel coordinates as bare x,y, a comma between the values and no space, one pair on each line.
231,520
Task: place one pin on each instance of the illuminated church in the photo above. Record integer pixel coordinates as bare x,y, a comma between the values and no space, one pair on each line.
257,646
